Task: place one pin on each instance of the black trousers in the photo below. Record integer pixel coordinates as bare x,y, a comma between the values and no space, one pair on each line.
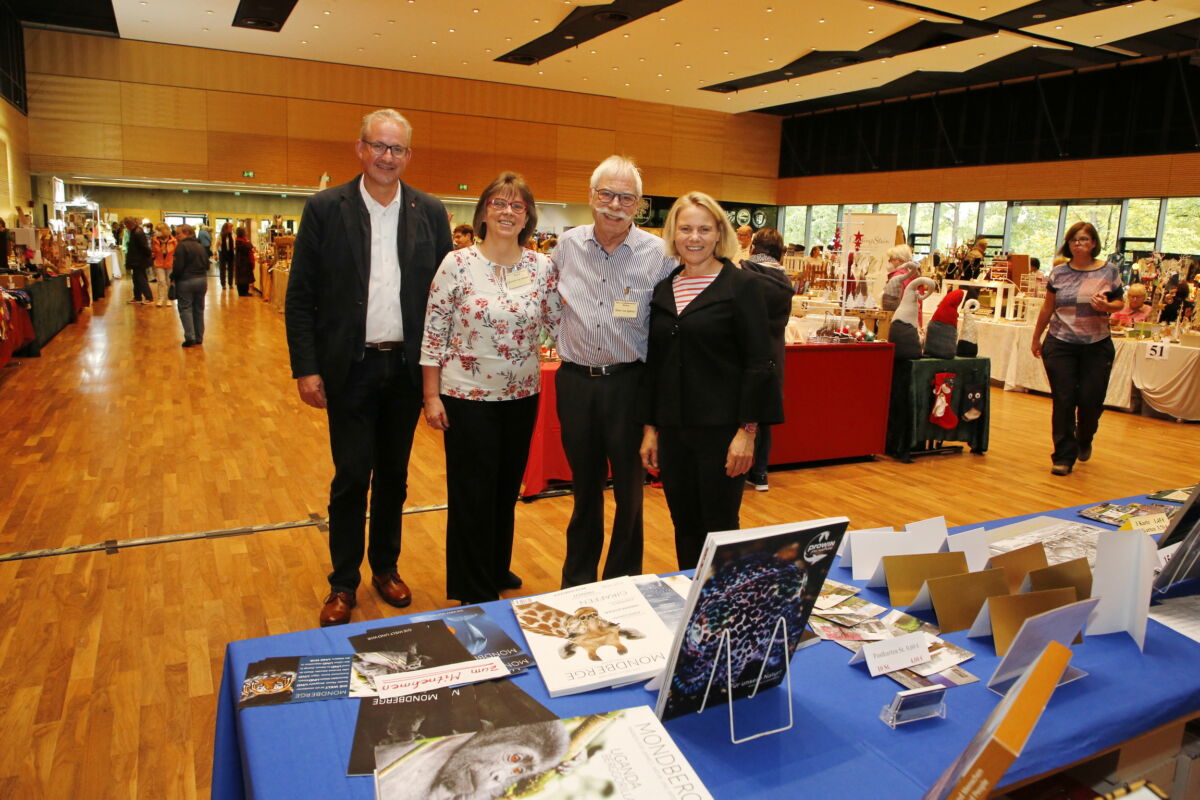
1078,375
700,496
601,428
487,447
372,418
141,283
225,267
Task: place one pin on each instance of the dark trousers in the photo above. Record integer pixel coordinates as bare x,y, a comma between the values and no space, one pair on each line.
762,451
189,293
225,268
1078,375
601,428
487,447
372,418
700,496
141,283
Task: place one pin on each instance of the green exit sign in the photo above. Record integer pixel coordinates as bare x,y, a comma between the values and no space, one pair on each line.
462,187
247,173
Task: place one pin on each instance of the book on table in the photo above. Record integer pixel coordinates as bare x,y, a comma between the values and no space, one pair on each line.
746,582
593,636
626,754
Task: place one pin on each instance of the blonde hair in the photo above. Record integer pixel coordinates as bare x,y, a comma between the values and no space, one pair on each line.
385,115
162,229
727,243
901,252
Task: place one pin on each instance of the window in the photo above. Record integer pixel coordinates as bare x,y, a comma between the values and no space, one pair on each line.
1141,221
956,225
1182,231
824,223
1104,216
922,229
794,223
1035,232
994,215
899,209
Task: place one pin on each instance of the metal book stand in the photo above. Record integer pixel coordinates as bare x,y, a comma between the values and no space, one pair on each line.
725,644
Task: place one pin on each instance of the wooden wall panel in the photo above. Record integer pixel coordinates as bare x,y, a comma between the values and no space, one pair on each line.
166,170
72,54
698,123
14,152
148,144
154,106
696,154
579,150
307,159
528,148
163,64
751,145
644,118
462,150
686,180
747,189
43,163
73,99
1183,176
234,112
230,153
656,180
330,122
648,150
55,138
1141,176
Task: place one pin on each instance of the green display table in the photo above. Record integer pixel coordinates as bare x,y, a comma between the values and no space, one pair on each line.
910,432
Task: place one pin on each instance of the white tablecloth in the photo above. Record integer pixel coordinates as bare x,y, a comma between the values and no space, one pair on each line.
1008,346
1170,385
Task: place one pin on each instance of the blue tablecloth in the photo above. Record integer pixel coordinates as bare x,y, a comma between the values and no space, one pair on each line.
838,746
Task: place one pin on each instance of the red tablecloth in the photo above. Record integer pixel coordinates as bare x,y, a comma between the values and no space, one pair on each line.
20,330
546,458
835,402
80,296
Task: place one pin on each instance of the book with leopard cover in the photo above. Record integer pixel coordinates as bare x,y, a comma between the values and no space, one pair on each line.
593,636
745,582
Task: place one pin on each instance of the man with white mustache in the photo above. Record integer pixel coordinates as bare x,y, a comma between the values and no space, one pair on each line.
607,272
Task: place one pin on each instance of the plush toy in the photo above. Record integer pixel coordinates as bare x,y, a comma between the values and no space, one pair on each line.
974,401
905,332
943,401
941,337
968,342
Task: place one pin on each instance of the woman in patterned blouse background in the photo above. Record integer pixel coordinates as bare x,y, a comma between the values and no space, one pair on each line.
489,306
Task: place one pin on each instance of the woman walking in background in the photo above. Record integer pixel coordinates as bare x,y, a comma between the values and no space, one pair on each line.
1078,351
225,255
243,263
163,247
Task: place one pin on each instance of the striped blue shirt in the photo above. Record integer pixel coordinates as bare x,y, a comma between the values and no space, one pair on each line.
591,281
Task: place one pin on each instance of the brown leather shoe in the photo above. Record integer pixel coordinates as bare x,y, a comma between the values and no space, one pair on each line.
393,590
336,610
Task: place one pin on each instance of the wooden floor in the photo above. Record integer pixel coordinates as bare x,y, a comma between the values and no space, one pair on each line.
110,664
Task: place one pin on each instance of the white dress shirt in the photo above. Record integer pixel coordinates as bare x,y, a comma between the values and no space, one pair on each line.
384,320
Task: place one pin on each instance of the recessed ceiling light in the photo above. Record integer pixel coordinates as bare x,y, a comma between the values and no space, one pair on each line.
204,29
1097,36
316,27
536,21
487,49
433,42
377,35
210,11
980,55
1039,16
539,71
1058,27
659,75
662,19
871,31
593,52
615,69
451,30
789,74
391,22
766,38
687,66
626,35
304,41
724,52
360,49
627,84
770,61
465,63
326,13
642,60
1170,16
679,44
716,30
145,20
474,10
508,38
569,36
943,47
870,8
884,61
820,20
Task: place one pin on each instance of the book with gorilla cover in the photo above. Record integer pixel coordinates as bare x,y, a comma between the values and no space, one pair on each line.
626,754
746,582
394,724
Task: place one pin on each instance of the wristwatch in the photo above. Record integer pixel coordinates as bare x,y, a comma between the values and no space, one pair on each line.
750,428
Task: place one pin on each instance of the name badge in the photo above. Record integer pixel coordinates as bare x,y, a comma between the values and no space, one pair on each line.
625,309
517,279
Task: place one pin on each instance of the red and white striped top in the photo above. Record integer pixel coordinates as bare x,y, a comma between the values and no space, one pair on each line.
686,289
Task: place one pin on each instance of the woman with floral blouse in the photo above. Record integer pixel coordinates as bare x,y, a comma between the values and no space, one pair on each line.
489,306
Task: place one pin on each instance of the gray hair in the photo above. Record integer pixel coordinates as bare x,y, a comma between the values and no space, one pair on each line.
385,115
902,252
618,167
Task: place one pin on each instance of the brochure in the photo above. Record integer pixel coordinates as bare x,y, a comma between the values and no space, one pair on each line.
1119,514
481,635
402,648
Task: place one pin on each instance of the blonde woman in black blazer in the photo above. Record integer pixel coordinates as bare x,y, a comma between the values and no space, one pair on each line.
710,378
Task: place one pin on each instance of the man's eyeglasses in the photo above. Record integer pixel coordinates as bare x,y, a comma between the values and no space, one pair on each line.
379,148
499,203
606,196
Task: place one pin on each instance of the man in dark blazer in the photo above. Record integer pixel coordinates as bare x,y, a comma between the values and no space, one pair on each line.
364,258
137,260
